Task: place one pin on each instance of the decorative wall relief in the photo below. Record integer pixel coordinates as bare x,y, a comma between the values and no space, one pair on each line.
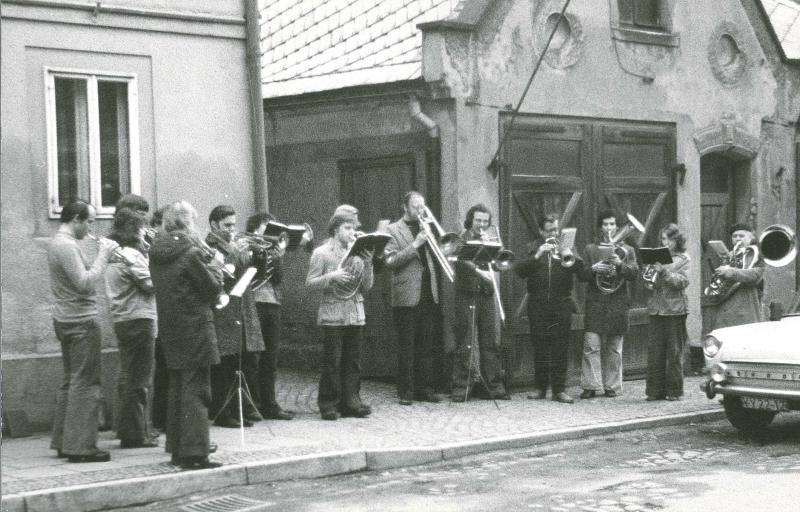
565,48
728,60
726,136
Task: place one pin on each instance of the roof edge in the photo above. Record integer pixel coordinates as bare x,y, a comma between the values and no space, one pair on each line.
776,41
468,14
401,87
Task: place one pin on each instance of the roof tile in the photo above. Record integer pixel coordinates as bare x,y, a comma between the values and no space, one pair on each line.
315,45
785,18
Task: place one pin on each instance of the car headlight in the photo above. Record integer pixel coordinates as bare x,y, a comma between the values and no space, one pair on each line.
711,346
717,372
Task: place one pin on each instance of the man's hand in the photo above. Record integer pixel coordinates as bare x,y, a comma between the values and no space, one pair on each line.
615,260
543,249
341,276
659,268
366,255
420,240
725,271
485,275
242,244
601,267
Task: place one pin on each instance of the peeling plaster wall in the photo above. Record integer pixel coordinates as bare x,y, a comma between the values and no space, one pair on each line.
194,132
486,72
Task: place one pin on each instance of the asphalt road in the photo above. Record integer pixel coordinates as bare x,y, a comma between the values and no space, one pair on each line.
685,468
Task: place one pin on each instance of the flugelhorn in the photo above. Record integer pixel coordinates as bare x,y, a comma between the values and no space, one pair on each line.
439,242
610,282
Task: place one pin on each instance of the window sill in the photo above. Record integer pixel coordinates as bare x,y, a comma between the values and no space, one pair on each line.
644,36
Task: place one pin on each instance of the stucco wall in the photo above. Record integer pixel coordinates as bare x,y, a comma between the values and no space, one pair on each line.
194,131
486,71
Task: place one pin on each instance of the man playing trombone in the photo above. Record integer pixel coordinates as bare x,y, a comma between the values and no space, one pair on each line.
477,320
550,272
415,300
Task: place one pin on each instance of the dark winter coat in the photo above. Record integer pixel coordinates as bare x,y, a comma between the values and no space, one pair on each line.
185,292
239,312
607,314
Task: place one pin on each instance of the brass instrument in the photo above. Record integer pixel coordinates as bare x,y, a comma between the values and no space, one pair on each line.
778,245
440,243
649,275
565,256
354,265
740,257
503,261
610,281
227,269
116,253
265,249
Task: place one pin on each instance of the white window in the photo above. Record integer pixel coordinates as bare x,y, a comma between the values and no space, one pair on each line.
92,138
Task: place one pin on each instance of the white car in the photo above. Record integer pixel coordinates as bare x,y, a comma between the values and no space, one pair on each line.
756,369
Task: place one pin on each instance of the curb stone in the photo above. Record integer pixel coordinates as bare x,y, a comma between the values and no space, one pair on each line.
137,491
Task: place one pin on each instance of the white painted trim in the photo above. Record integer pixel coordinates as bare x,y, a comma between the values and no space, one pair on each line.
92,77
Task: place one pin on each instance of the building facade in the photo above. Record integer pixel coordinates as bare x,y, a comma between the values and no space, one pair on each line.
100,99
670,111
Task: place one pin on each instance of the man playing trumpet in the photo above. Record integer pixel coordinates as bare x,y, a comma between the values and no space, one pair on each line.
607,304
550,275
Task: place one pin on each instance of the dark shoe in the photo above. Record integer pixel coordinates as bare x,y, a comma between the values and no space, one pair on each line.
136,443
360,412
192,463
588,393
253,416
404,400
278,414
610,393
538,394
457,398
227,422
428,396
95,456
330,415
212,447
563,398
673,398
60,454
654,398
503,396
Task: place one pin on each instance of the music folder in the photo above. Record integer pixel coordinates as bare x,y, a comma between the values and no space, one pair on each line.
652,255
479,251
294,231
375,242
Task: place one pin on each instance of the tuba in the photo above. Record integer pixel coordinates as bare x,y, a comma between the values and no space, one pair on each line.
610,282
741,258
778,245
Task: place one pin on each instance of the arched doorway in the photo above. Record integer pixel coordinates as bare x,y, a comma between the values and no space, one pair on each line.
725,200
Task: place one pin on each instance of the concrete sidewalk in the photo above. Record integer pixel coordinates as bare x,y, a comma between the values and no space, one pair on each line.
34,479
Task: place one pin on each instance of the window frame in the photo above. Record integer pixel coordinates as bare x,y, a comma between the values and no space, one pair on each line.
92,77
665,35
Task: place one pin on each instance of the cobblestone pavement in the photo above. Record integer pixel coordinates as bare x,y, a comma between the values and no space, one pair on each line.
28,464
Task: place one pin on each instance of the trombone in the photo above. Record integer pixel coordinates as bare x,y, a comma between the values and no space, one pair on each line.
440,243
503,260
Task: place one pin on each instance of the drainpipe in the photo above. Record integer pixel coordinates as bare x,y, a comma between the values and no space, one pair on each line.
257,137
417,113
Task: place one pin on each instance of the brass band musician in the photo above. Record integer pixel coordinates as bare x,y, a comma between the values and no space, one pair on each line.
608,267
743,305
550,278
477,320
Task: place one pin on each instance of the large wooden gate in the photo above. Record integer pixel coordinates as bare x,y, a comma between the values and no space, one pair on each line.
576,168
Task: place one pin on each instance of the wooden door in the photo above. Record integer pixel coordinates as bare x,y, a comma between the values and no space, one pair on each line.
718,211
376,187
576,168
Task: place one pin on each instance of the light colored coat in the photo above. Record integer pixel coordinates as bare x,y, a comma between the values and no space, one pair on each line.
333,311
669,291
407,267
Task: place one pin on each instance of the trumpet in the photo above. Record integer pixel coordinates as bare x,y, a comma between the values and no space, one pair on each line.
649,275
440,243
116,253
563,255
227,269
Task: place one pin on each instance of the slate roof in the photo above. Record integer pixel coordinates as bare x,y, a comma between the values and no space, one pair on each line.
317,45
785,18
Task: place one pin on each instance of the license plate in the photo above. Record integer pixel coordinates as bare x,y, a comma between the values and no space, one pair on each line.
765,404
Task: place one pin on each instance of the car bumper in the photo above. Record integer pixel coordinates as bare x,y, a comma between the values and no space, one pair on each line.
711,389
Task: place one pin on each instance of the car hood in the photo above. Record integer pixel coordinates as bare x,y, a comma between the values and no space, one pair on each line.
777,342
